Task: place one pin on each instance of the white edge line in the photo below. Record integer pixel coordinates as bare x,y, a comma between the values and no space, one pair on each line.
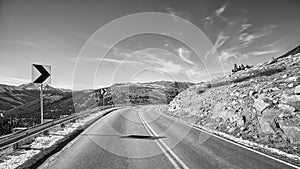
273,158
162,142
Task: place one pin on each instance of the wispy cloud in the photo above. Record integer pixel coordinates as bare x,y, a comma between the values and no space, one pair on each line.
258,53
117,61
19,42
270,45
221,9
185,55
175,13
236,36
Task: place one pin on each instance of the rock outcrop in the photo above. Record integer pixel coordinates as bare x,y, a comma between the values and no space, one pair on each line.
260,104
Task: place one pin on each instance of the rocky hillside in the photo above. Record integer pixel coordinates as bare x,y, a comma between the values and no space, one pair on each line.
159,92
14,96
260,104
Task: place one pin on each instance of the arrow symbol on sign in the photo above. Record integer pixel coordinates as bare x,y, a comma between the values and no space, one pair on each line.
103,91
44,74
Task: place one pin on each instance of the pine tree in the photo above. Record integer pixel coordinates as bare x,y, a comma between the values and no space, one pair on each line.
235,67
243,67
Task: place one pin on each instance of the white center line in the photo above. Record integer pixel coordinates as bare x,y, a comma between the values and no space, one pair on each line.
163,146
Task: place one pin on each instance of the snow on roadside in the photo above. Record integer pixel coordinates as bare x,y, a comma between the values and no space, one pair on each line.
13,161
18,157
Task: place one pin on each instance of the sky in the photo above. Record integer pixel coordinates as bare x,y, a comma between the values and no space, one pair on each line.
92,44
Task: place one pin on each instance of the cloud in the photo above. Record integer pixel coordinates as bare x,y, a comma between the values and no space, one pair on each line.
270,45
117,61
208,21
185,55
238,36
235,36
19,42
247,38
227,55
153,57
221,9
175,13
245,26
221,39
258,53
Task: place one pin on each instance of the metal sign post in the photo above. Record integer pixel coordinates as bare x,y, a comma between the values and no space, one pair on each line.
42,107
100,93
40,75
103,92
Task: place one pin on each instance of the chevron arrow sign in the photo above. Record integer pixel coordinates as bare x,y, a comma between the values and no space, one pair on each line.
41,74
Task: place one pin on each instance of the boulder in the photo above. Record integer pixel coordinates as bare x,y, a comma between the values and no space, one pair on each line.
286,107
292,132
260,105
291,85
241,121
284,76
293,100
292,79
251,93
265,126
231,130
297,90
271,113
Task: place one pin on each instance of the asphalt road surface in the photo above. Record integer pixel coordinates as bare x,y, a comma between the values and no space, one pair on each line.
141,137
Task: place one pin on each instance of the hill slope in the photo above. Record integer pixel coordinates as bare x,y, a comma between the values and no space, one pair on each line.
14,96
260,104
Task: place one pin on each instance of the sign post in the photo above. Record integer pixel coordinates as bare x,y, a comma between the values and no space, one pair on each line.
42,107
100,93
103,93
41,75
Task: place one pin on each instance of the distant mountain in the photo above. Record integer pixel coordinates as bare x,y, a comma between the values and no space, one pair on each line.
32,86
14,96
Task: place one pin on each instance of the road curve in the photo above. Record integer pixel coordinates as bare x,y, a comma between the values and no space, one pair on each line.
140,137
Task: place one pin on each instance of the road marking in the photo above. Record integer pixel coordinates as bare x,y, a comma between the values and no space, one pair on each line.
232,142
162,145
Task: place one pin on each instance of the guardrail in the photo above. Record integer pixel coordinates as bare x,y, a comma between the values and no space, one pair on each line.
11,139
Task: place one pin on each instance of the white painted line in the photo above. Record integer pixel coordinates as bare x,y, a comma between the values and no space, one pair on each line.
255,151
164,151
152,132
